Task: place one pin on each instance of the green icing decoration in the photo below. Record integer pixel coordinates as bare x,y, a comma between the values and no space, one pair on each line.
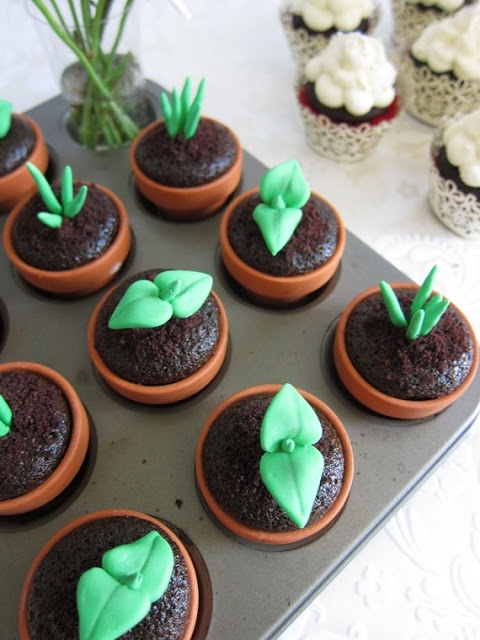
5,117
147,304
113,599
5,417
180,113
291,467
68,206
284,192
424,312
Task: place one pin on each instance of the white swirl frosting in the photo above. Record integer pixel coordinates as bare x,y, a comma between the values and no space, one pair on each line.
353,72
452,44
445,5
343,15
462,144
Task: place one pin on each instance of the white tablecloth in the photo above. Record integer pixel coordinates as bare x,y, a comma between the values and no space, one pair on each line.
418,578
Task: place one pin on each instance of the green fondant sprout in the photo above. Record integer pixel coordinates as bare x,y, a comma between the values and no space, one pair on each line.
5,117
181,114
113,599
284,192
291,467
69,206
146,304
5,417
424,313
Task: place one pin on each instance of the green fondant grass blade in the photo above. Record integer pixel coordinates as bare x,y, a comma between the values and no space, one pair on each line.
74,206
106,608
5,416
194,290
51,220
289,416
45,190
433,313
293,480
285,180
394,309
5,117
176,112
185,95
151,556
191,122
415,325
277,226
66,186
167,114
423,292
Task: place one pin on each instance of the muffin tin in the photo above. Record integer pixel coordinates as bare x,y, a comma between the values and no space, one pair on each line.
141,457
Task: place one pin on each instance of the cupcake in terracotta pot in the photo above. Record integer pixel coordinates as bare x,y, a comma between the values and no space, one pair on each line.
348,98
404,351
274,467
69,239
112,574
280,242
186,165
44,436
21,141
159,336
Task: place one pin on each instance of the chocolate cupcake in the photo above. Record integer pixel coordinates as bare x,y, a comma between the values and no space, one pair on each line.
454,176
237,469
160,336
280,242
440,70
100,555
348,100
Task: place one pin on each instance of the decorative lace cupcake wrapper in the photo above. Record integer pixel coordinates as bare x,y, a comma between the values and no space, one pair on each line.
304,45
458,211
434,98
340,141
409,22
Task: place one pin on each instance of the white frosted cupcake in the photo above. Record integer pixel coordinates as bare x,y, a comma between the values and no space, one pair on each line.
410,17
441,71
348,100
454,181
309,24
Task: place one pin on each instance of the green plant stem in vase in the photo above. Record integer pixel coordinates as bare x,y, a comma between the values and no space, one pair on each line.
103,85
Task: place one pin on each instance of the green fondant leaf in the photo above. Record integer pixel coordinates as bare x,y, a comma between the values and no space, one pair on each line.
289,416
106,608
66,187
285,180
277,225
150,556
5,417
415,324
45,190
433,313
194,290
395,313
74,206
5,117
52,220
293,480
140,307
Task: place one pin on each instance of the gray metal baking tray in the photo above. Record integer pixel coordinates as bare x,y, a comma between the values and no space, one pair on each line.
142,456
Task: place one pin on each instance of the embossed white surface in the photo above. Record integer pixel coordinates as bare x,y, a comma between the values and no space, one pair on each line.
418,578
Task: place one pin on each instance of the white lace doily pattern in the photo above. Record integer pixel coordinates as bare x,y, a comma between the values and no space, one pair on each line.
458,211
409,21
434,98
340,141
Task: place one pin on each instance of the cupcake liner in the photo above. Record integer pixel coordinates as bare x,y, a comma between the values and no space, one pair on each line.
458,211
435,98
340,141
409,21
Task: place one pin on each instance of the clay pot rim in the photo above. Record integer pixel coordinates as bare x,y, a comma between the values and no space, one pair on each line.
12,182
63,282
166,393
107,513
375,399
176,192
70,464
267,539
306,282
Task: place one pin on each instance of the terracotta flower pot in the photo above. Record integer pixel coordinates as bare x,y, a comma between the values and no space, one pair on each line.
74,456
269,540
376,400
167,393
275,290
19,184
82,280
187,204
191,622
